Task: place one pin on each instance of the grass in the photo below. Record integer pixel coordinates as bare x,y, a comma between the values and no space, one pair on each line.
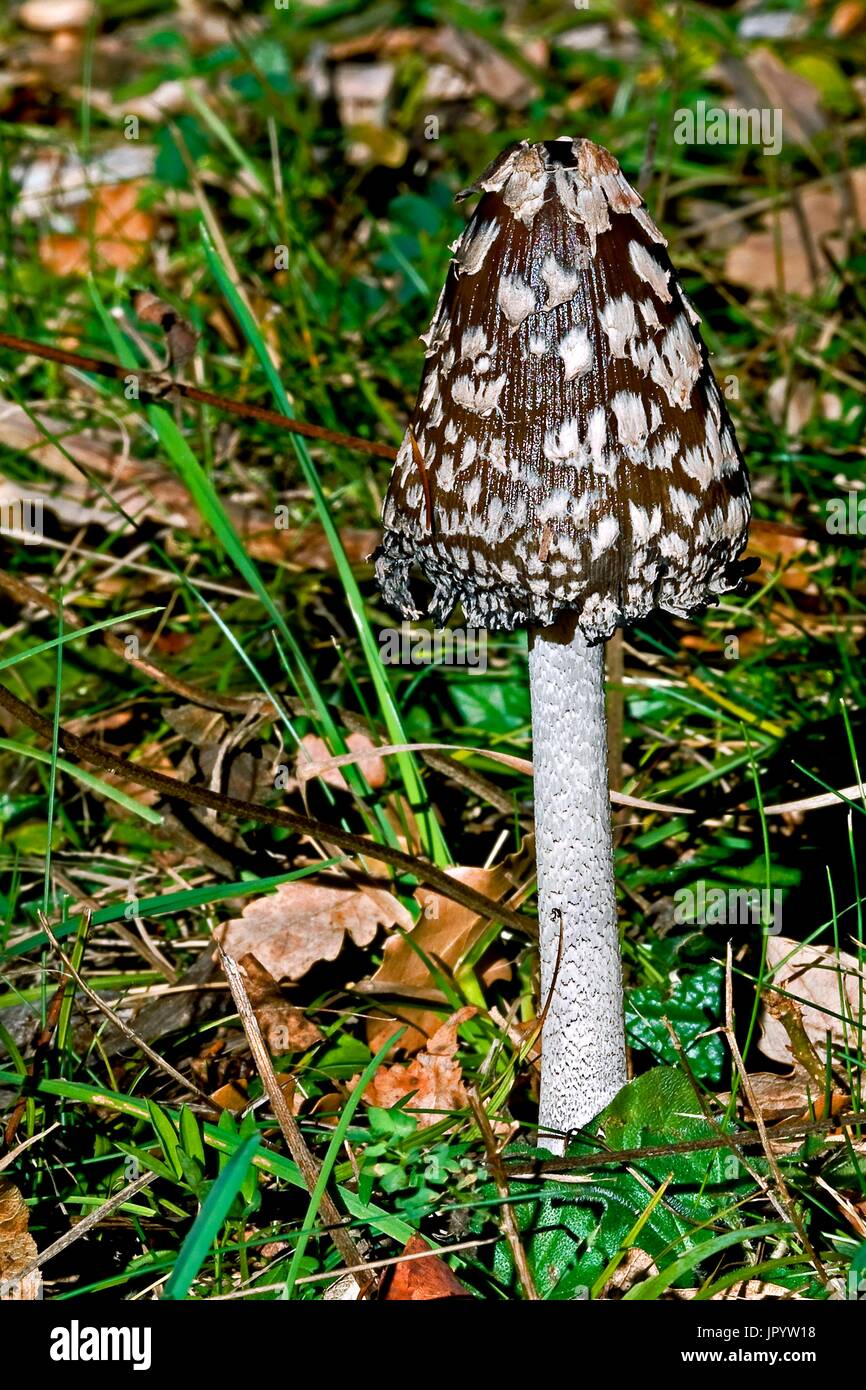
309,278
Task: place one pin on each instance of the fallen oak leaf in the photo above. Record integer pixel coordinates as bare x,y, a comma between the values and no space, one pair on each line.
17,1248
433,1079
314,760
825,983
445,932
419,1276
301,923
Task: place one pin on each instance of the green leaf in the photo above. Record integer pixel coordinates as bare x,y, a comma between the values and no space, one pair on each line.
190,1135
87,779
693,1006
572,1230
495,706
167,1136
147,1160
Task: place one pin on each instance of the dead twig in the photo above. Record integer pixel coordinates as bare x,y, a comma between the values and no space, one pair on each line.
162,390
130,1033
87,1223
789,1211
291,1130
500,1178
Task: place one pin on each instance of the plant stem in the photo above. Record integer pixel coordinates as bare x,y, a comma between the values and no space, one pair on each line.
583,1040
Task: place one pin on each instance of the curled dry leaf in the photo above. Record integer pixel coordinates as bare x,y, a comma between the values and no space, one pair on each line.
784,1098
180,336
825,983
302,923
446,932
314,750
417,1279
284,1027
17,1248
230,1097
433,1078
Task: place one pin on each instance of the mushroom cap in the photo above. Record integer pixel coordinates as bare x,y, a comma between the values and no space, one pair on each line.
569,448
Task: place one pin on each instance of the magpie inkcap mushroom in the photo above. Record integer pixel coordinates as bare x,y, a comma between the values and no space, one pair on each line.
569,466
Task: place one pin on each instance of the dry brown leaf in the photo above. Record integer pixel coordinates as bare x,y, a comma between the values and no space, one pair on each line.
847,18
791,405
17,1248
180,336
783,547
116,232
284,1027
795,96
434,1076
777,1097
414,1280
752,261
198,726
314,750
290,930
482,67
230,1097
306,549
826,984
447,932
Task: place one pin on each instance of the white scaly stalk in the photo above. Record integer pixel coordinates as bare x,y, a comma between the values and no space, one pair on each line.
583,1041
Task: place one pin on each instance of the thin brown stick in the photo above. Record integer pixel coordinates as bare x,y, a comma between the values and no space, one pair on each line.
747,1138
162,389
500,1178
124,1028
14,1154
736,1149
43,1043
88,1222
172,787
790,1211
291,1130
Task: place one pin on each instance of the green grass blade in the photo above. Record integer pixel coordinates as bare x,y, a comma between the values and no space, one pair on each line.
331,1156
194,1250
87,779
650,1289
76,635
433,839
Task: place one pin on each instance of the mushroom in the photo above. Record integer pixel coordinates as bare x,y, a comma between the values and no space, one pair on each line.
569,466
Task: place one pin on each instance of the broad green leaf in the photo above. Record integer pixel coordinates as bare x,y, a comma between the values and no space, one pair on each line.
692,1007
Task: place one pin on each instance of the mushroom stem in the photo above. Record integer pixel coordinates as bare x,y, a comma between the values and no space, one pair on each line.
583,1040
